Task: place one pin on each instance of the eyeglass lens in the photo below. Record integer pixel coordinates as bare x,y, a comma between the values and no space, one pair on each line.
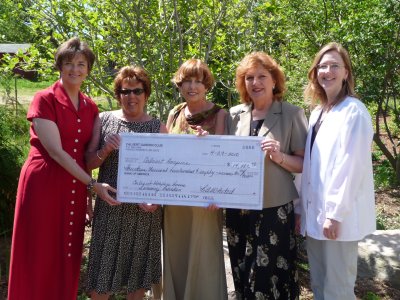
134,91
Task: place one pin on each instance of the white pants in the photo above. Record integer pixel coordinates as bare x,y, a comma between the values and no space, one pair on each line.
333,268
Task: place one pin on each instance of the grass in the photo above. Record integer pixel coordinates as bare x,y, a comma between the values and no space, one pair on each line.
24,91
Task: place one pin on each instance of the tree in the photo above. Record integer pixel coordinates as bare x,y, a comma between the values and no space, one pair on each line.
14,22
160,34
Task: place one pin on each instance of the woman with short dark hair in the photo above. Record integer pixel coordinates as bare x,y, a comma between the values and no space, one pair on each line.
53,186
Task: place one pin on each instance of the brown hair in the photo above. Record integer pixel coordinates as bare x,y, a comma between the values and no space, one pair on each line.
132,74
256,59
70,48
194,68
314,90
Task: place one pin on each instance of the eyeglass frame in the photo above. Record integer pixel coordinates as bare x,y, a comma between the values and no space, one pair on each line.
332,67
136,91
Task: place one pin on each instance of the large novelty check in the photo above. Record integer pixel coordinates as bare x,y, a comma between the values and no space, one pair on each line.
171,169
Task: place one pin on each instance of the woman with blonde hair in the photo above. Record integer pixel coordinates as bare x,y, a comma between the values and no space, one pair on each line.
337,190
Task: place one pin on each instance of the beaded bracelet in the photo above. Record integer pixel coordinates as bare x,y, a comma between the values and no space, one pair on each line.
90,185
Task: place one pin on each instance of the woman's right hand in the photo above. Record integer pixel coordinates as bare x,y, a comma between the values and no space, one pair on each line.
102,190
200,131
111,142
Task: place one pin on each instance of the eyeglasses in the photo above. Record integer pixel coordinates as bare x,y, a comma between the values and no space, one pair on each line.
332,67
137,91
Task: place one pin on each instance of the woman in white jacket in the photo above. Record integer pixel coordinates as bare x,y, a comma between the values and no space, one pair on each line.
337,193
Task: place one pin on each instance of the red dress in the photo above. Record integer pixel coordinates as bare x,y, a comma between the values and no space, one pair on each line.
51,204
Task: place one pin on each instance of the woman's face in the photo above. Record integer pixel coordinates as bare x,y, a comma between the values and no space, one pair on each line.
331,72
74,71
132,98
259,84
193,89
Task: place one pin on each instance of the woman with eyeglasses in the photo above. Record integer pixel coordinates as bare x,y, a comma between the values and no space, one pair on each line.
193,250
337,190
125,250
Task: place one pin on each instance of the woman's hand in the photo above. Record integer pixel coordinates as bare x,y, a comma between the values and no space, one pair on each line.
331,229
212,207
147,207
273,149
102,190
200,131
111,142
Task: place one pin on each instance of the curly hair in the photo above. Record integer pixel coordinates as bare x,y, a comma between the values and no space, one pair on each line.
132,74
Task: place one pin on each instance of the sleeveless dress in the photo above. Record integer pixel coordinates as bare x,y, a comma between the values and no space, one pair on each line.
50,210
125,250
193,249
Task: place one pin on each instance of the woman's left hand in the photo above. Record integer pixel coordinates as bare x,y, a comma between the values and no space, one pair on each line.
200,131
272,148
148,207
331,229
212,207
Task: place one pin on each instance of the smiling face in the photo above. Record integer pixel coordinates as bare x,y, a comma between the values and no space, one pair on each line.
259,84
331,73
74,71
132,105
193,89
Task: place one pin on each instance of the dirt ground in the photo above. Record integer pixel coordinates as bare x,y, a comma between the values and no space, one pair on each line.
388,204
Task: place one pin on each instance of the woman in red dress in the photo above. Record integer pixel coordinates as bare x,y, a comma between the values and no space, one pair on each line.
53,186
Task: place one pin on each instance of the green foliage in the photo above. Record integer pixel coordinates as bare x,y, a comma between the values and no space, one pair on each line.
13,149
14,22
160,35
384,175
371,296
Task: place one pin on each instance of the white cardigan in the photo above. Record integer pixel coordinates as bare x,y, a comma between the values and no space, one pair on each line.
337,180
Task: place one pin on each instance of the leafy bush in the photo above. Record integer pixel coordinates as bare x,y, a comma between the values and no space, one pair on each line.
13,148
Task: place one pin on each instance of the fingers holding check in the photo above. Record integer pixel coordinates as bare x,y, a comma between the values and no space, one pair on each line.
111,142
147,207
270,146
331,229
200,131
102,190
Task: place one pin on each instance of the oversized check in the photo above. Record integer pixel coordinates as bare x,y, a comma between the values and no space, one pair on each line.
174,169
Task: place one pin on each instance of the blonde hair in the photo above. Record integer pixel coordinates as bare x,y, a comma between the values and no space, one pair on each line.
314,91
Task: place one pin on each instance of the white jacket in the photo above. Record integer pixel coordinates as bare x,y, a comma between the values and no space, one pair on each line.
337,180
